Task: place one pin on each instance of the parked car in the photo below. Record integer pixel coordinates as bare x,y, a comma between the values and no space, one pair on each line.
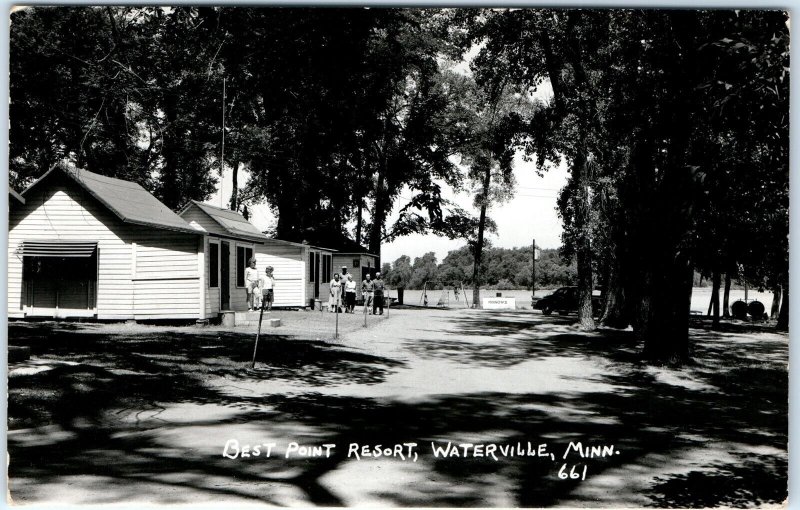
565,300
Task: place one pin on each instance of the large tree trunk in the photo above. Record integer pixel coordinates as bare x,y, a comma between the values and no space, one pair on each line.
663,311
667,207
476,268
615,311
783,316
726,295
580,171
583,247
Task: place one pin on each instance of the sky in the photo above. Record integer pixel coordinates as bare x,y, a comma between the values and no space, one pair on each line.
531,214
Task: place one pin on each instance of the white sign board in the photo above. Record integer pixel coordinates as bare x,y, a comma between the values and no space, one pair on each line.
499,303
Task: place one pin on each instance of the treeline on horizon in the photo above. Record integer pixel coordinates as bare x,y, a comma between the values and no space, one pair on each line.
501,268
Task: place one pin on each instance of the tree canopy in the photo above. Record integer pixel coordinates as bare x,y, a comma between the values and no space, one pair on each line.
673,123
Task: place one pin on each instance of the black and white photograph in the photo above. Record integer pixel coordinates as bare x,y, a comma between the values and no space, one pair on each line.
339,256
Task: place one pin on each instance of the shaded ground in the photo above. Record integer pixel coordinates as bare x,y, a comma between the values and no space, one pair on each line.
104,415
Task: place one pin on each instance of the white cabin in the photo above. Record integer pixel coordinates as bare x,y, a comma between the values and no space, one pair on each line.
299,270
86,245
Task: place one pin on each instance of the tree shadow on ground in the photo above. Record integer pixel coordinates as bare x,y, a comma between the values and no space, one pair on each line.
721,441
518,338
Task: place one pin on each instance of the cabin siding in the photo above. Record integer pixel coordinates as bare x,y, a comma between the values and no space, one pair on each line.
167,280
289,272
68,213
141,273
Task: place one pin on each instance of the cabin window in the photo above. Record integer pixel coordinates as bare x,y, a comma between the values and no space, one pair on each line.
356,262
243,254
326,268
213,265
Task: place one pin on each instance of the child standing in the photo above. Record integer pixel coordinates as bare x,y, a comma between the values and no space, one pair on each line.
267,286
251,283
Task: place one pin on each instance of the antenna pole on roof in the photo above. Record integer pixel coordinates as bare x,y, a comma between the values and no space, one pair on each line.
222,151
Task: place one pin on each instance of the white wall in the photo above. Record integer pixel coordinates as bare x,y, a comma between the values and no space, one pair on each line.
289,271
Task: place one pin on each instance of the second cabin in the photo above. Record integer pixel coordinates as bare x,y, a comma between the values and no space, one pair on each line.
301,271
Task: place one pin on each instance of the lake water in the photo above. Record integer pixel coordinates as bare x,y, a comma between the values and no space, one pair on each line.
700,297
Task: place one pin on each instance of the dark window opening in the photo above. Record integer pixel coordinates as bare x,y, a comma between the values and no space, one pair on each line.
213,265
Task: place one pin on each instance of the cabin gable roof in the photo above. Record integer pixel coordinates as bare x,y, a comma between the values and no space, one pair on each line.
130,202
233,223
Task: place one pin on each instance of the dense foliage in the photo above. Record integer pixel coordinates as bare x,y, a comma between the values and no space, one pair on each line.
673,123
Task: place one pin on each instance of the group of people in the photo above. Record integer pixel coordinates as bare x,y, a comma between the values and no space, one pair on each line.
259,288
343,293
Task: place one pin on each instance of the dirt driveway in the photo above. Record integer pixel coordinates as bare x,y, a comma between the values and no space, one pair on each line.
104,414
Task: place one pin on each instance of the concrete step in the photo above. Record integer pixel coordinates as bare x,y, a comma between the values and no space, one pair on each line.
265,323
246,316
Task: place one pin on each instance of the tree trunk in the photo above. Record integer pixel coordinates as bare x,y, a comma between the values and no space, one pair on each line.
234,203
615,311
726,308
378,214
664,313
580,172
716,282
359,215
583,247
776,302
476,268
783,316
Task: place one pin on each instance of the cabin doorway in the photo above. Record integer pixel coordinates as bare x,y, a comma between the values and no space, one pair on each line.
316,275
225,276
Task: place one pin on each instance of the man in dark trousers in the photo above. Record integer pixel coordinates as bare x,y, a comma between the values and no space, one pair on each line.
377,303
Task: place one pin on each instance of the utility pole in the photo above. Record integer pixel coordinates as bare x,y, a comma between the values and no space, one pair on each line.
533,270
222,151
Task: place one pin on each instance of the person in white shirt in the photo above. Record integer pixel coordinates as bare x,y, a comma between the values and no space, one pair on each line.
251,283
350,294
335,302
267,287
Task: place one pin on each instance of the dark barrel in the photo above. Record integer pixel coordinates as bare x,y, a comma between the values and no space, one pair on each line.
739,310
756,309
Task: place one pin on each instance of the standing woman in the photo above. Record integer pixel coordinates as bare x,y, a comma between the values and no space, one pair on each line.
335,302
350,294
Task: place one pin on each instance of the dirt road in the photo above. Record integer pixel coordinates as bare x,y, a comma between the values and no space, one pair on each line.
174,416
